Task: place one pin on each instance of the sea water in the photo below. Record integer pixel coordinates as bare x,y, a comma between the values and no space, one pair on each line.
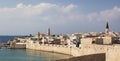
26,54
6,38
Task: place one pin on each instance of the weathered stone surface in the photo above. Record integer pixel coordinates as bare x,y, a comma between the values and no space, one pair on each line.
18,46
93,57
111,51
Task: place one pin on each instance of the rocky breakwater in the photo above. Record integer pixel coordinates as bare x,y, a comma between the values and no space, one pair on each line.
3,45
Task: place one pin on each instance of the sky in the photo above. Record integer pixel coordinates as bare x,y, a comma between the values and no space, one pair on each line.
23,17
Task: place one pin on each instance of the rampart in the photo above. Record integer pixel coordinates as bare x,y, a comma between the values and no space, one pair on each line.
111,51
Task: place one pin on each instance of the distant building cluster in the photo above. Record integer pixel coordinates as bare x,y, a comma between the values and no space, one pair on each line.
77,44
76,39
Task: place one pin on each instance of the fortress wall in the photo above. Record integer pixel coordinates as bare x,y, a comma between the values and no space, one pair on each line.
51,48
86,50
112,52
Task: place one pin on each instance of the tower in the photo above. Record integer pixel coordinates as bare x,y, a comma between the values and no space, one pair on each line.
48,32
107,28
107,39
38,35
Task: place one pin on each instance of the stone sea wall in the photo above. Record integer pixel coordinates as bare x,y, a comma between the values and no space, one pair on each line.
50,48
74,51
17,46
111,51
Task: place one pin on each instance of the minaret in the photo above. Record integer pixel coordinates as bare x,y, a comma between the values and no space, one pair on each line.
107,28
38,35
48,31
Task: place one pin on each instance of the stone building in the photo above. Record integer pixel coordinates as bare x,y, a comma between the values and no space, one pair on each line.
108,38
86,41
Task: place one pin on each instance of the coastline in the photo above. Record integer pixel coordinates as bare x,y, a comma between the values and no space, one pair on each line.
92,57
108,50
53,52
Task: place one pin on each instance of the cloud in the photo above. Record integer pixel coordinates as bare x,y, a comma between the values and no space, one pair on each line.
69,8
56,13
30,17
43,10
106,15
33,18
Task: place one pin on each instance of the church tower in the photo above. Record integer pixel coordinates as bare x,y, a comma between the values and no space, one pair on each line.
48,32
107,28
107,39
